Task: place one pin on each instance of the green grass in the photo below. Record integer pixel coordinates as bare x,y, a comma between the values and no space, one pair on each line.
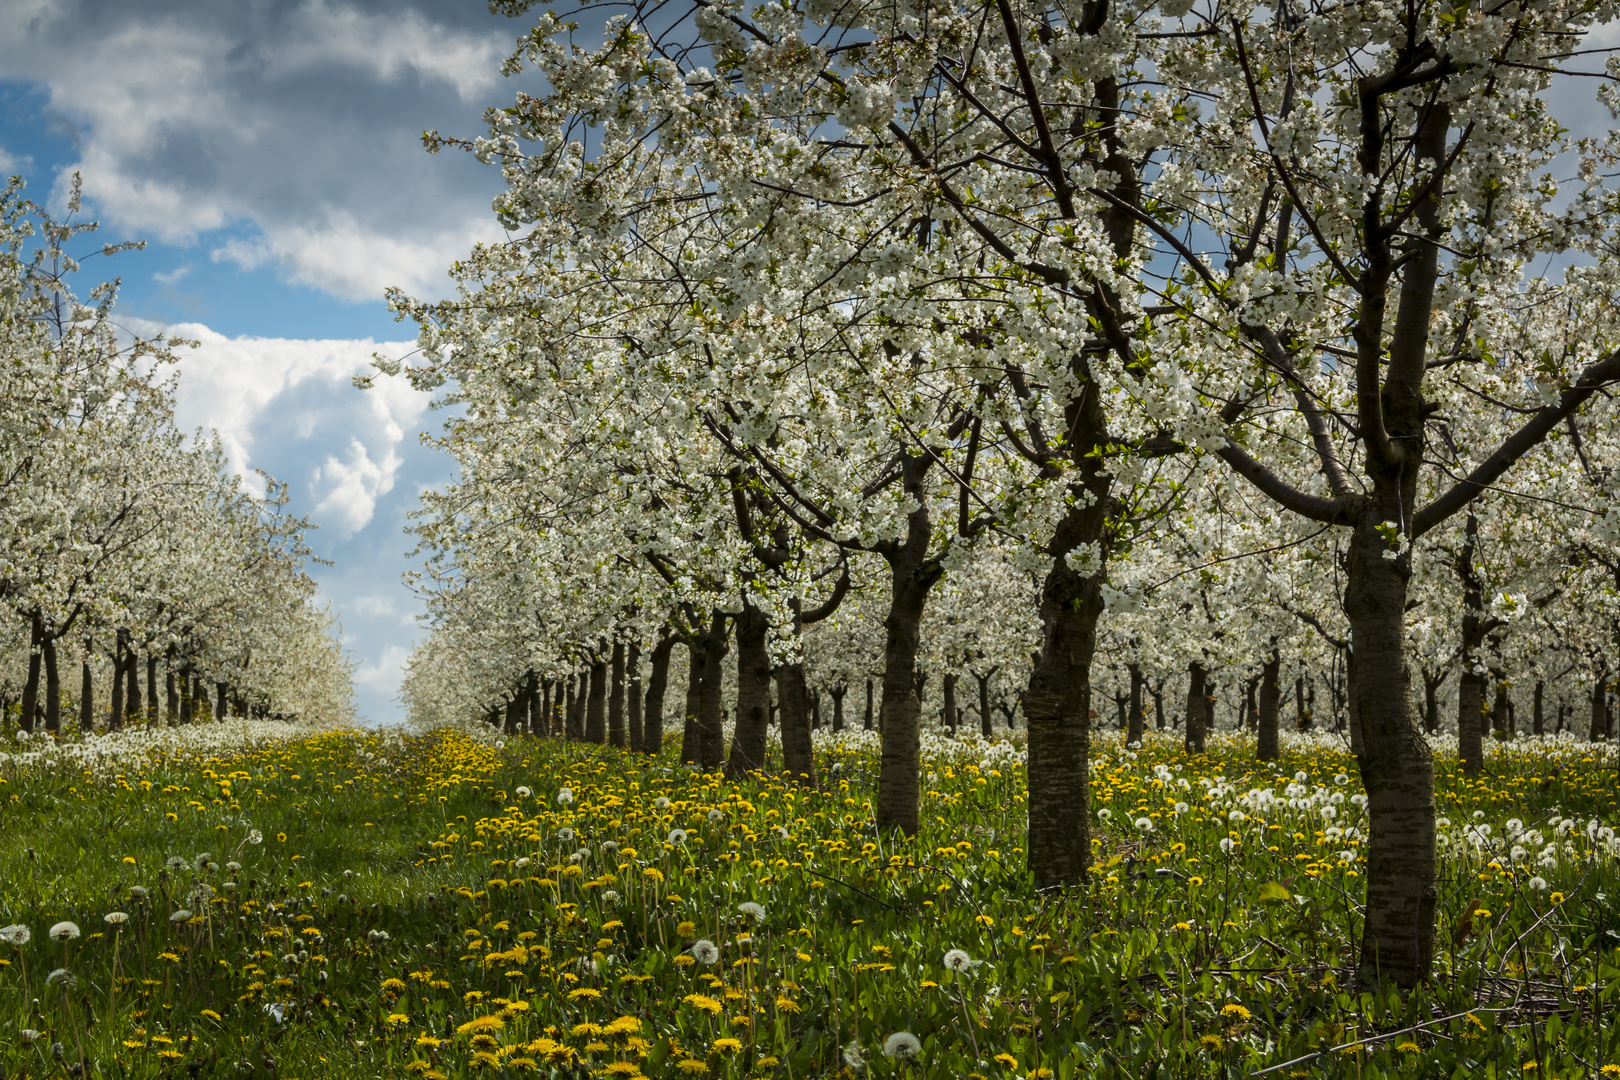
410,911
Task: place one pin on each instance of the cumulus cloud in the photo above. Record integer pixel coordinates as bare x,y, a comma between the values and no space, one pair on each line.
386,671
288,406
297,123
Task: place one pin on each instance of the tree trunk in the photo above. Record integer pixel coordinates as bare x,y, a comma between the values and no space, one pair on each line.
1302,715
132,700
153,708
798,753
1431,700
615,696
1266,748
1158,705
948,706
900,712
985,718
30,699
753,705
171,698
711,720
1600,709
837,694
115,716
87,693
1135,714
691,739
1538,718
866,721
1057,708
1197,709
1397,765
1471,680
596,703
543,722
53,687
652,714
1499,710
633,697
1352,710
576,707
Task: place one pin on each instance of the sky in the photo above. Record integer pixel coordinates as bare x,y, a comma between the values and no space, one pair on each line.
269,152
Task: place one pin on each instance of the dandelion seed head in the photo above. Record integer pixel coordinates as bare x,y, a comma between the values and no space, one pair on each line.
902,1044
115,918
64,931
752,910
180,915
705,951
958,960
677,837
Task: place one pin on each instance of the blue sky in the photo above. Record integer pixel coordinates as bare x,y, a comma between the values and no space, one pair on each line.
269,153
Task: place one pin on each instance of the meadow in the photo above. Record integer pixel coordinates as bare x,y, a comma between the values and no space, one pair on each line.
246,900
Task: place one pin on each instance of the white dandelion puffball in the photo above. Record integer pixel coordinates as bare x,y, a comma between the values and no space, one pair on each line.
610,897
255,837
716,816
902,1044
565,834
1539,884
16,934
752,910
565,796
1227,845
115,918
1341,778
1182,808
201,860
524,793
609,847
958,961
1237,815
705,951
677,836
138,891
174,864
852,1056
64,931
180,915
61,977
660,803
1144,825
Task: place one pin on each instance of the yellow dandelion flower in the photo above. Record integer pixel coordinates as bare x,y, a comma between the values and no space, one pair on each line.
724,1046
702,1001
692,1067
1235,1010
396,1019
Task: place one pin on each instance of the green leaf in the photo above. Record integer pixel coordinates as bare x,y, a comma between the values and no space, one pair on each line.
1273,893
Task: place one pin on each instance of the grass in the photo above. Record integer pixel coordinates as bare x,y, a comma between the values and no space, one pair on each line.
370,904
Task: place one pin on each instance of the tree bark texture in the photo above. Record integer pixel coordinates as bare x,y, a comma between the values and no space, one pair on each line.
633,698
748,736
596,703
652,713
710,721
1193,740
1266,748
798,756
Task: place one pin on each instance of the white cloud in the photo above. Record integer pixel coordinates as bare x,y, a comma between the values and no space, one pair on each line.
172,277
386,672
286,404
297,125
347,491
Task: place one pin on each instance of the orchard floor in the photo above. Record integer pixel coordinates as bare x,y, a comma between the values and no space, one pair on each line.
369,904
